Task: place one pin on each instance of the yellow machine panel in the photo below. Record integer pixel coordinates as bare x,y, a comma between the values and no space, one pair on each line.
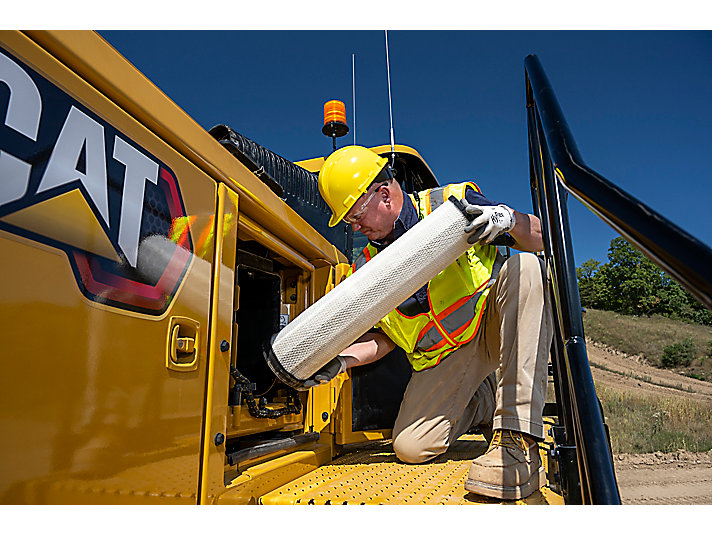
103,394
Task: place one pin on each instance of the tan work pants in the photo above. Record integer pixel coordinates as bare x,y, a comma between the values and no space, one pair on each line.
515,335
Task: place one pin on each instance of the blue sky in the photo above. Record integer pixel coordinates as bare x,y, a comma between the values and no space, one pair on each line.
638,103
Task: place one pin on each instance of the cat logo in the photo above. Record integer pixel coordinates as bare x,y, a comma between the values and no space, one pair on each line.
73,181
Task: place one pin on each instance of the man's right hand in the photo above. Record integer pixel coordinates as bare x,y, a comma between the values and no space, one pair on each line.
489,222
327,373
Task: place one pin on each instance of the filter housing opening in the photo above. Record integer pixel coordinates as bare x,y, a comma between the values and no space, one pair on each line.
258,292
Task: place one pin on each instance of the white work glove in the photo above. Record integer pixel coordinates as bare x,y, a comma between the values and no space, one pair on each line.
489,222
327,373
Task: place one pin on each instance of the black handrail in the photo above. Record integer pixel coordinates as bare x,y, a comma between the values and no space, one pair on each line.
584,440
556,167
681,255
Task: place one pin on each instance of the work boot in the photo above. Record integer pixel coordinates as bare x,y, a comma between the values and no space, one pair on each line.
510,469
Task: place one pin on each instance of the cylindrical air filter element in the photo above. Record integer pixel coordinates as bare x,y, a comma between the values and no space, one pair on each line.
344,314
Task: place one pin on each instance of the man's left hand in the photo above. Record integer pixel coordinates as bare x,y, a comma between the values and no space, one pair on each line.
327,373
489,222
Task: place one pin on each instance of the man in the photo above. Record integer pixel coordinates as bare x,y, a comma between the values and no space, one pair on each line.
479,314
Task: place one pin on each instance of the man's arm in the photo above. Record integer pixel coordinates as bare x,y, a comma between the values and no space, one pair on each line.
527,233
368,348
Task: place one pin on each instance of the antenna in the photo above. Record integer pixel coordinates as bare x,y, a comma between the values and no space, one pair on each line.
390,108
353,91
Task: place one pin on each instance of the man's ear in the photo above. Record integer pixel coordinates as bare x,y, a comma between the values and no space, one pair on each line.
386,195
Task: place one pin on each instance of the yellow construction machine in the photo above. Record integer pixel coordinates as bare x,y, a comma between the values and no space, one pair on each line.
145,263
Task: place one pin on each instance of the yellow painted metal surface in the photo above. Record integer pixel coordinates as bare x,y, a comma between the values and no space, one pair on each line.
89,411
315,164
254,482
250,230
215,419
94,59
124,415
162,480
372,474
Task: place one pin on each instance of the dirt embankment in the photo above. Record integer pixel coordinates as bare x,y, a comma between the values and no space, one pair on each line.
657,478
632,373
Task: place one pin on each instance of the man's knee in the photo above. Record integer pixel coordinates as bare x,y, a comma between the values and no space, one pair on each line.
413,449
527,262
412,452
528,268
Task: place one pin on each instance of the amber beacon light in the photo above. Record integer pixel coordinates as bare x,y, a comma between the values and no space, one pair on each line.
335,120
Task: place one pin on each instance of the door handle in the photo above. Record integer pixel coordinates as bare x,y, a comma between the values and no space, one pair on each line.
183,344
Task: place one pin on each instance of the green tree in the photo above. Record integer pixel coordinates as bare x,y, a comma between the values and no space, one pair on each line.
632,284
586,281
633,279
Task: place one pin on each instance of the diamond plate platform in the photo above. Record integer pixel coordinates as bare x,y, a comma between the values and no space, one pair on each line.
372,474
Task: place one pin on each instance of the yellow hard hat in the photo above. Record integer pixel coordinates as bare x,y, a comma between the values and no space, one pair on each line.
345,176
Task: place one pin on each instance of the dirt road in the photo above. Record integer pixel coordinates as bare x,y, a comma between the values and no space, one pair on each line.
633,373
672,478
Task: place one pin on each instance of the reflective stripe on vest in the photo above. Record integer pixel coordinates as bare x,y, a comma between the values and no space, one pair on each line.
456,317
436,198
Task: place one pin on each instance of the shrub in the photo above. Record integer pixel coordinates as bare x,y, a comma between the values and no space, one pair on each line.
679,354
695,375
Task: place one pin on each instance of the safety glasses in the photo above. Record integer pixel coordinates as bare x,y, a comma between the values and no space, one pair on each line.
356,217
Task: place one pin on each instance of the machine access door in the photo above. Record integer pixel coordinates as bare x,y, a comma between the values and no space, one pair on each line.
107,246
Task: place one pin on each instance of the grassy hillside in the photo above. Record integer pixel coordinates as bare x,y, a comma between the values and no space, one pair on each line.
639,422
648,336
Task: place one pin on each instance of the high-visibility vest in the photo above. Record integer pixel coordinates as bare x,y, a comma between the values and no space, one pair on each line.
456,296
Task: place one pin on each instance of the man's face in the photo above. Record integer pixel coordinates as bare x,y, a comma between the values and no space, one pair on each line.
370,214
